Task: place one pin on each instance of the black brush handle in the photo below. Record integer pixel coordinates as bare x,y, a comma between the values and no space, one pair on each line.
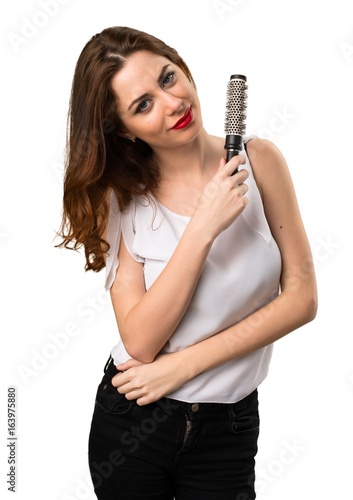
233,146
235,116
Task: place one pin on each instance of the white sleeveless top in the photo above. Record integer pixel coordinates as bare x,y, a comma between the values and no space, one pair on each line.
241,274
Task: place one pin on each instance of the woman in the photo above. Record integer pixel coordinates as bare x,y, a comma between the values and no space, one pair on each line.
194,268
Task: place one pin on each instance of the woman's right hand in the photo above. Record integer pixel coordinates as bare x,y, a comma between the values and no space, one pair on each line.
222,199
148,382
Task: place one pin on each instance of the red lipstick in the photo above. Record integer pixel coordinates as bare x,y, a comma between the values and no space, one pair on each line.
184,121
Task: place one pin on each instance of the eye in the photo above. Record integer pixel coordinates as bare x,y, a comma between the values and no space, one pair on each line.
143,106
168,78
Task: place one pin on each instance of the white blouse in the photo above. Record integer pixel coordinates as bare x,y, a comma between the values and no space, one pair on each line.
241,275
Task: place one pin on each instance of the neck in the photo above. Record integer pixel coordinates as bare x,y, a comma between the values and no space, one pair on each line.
186,170
190,160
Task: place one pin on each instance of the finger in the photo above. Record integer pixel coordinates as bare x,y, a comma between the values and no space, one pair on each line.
142,401
145,400
243,188
136,394
222,163
238,178
130,363
234,163
125,389
128,387
119,379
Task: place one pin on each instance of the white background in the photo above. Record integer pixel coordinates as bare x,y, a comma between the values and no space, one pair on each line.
298,57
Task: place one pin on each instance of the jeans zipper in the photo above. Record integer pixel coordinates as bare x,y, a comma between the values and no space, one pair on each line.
187,429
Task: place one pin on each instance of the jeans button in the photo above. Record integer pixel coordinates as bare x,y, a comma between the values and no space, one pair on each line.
195,407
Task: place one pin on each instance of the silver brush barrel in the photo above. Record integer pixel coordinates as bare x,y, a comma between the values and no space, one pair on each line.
235,115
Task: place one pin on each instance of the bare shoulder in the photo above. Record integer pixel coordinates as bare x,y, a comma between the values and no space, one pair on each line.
268,164
277,190
259,146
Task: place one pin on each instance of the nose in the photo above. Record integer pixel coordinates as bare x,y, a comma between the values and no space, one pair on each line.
172,103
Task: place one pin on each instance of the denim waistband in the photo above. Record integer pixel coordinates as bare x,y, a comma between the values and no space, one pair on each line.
189,407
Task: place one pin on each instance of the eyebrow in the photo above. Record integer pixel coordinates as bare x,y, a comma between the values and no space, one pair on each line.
143,96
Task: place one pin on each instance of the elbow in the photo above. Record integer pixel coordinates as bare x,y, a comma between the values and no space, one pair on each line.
303,300
144,354
309,307
143,357
137,342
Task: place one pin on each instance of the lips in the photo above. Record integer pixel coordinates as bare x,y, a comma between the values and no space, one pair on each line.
184,121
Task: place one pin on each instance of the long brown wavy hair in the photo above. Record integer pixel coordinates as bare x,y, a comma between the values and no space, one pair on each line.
98,158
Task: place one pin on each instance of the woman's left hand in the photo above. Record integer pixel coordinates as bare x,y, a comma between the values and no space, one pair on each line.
149,382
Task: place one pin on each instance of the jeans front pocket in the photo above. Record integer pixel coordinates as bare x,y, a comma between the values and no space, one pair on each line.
110,400
244,416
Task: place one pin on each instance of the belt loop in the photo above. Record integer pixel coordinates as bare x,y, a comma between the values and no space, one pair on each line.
107,364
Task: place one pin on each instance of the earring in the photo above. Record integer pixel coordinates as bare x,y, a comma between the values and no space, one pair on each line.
133,139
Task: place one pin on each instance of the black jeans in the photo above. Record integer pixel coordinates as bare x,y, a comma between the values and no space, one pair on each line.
171,449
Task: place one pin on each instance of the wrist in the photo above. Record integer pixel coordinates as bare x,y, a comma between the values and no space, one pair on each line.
201,232
187,366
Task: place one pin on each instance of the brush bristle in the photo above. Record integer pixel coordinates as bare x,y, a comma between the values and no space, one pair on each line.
236,106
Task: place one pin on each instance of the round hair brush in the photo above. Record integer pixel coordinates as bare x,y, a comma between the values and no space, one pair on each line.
234,125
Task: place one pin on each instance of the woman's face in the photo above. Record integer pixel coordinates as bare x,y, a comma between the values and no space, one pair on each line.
156,101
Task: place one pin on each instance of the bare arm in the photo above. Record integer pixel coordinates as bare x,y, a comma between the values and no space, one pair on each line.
146,320
294,307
